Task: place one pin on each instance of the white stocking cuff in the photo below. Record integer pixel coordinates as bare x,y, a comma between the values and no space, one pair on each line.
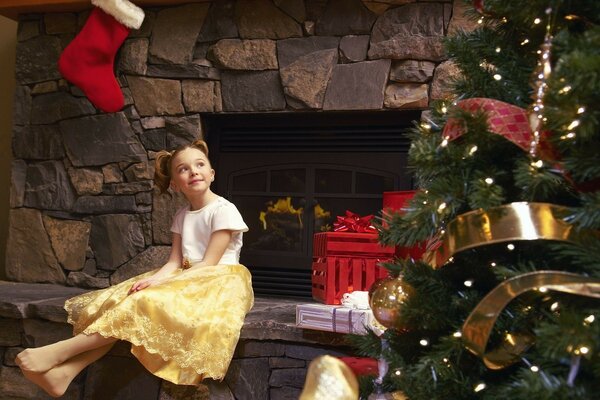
123,11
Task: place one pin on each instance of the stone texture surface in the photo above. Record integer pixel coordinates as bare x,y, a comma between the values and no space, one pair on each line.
86,181
201,96
294,8
412,71
170,391
18,176
445,74
132,381
47,186
358,86
354,48
133,56
112,173
156,96
285,393
282,362
127,187
248,379
293,377
175,31
252,91
460,21
53,107
220,22
406,95
69,241
27,30
36,59
406,47
261,19
176,71
29,255
22,105
10,335
289,50
182,130
45,87
151,258
115,239
37,142
252,55
164,208
345,17
305,80
83,280
41,333
111,136
139,172
413,31
105,204
253,348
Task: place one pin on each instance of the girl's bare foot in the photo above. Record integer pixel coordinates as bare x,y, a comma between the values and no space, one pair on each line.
54,382
37,360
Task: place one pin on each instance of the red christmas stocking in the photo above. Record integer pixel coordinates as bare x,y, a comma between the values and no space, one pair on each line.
88,60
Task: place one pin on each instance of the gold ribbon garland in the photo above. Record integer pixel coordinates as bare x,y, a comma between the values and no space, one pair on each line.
506,223
478,326
509,222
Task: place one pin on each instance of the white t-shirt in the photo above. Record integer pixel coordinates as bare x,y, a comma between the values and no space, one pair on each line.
196,227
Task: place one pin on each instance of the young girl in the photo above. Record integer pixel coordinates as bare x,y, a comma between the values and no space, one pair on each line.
184,319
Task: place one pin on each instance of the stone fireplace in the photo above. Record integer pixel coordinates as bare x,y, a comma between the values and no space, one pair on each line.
313,84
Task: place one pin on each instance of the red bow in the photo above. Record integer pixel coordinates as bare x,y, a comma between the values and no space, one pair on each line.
352,222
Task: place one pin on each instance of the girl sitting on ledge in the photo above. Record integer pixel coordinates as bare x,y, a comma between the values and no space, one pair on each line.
182,320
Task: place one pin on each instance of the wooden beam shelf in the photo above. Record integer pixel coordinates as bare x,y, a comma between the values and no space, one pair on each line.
12,8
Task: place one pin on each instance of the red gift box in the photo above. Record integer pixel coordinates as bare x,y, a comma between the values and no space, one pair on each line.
396,201
349,244
344,262
333,276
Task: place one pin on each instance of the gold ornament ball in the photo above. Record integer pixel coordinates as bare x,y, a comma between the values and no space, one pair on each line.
385,298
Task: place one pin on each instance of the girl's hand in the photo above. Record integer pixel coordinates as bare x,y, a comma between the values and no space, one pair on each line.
145,283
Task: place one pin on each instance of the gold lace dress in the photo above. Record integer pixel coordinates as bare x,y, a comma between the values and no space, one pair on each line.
183,330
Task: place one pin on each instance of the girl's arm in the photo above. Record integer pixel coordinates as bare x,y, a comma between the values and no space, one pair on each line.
172,264
219,240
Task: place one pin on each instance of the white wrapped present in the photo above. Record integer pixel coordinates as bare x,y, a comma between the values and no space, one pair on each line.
323,317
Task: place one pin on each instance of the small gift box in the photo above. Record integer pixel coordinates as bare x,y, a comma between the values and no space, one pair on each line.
328,318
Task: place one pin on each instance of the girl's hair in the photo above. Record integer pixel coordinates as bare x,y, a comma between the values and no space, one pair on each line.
162,163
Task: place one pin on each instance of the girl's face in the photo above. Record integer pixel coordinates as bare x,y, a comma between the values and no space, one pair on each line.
191,173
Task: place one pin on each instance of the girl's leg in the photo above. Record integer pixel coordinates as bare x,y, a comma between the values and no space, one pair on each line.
41,359
56,380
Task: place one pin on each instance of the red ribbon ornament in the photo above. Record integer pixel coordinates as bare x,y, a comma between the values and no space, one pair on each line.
352,222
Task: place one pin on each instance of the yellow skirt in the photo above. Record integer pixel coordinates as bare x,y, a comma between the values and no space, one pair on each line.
183,330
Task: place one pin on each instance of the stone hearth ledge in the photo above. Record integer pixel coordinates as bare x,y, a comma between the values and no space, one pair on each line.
269,319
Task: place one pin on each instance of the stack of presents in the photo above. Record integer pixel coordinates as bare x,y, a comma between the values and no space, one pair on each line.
346,263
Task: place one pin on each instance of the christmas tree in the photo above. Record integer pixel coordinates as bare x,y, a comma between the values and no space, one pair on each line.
506,303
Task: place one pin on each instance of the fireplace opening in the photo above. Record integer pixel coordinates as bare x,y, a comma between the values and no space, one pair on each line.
291,174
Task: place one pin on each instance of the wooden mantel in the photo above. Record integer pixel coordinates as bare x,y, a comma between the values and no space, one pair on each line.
12,8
